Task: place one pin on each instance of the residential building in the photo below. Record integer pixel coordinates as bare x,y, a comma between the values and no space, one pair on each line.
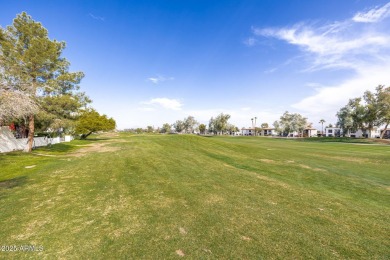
268,132
333,131
248,131
359,133
310,132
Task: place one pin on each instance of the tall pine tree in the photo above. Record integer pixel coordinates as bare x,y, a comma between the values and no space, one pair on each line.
31,64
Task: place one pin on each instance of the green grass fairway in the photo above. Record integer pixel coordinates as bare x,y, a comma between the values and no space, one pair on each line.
172,196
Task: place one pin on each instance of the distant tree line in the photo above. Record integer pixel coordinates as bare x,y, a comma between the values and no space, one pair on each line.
217,125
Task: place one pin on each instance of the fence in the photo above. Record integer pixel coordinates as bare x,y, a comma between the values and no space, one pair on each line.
9,143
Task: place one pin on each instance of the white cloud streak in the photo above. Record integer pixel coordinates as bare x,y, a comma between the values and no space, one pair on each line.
172,104
250,42
339,45
99,18
326,99
374,15
158,79
360,44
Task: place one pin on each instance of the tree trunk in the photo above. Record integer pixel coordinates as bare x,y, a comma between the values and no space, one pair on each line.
385,130
30,133
84,136
369,129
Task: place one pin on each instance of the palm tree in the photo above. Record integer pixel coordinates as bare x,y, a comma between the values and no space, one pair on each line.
255,125
252,122
322,121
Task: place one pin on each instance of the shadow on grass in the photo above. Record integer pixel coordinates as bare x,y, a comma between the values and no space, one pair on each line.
83,141
57,148
12,183
93,139
68,146
340,140
4,156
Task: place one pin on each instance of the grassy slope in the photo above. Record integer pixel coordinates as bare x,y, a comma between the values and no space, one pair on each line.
208,197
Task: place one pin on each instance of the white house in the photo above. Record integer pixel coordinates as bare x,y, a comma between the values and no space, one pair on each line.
374,133
268,131
310,132
248,131
359,133
333,131
235,133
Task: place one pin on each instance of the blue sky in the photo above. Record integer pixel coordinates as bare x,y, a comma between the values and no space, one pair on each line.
153,62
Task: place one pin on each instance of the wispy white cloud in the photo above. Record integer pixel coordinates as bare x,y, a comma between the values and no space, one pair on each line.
99,18
327,100
313,85
159,79
339,45
373,15
250,41
360,44
270,70
166,103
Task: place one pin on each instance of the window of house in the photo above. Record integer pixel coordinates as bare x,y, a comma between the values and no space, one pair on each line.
330,131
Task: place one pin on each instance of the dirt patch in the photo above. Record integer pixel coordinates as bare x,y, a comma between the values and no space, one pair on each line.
179,252
267,160
182,231
227,165
382,141
117,141
272,181
48,155
94,148
214,199
245,238
305,166
310,168
59,171
341,158
110,134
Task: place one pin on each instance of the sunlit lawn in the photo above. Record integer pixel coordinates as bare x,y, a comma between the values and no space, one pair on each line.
167,196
